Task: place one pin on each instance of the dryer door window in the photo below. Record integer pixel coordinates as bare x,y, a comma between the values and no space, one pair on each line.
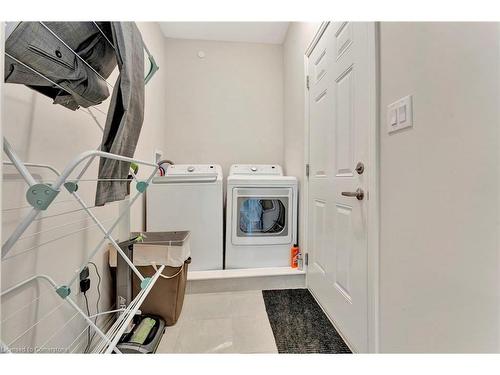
262,217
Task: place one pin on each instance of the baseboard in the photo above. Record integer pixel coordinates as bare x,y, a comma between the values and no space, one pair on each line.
241,282
243,273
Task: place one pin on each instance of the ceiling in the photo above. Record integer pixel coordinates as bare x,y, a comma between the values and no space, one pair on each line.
252,32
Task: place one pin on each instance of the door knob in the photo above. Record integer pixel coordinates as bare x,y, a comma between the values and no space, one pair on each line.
360,168
359,194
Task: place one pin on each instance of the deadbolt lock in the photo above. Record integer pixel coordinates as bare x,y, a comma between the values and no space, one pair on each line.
360,168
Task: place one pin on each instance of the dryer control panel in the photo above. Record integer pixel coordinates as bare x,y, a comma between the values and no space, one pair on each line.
256,169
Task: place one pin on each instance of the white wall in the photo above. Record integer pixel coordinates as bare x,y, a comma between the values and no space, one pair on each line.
42,132
298,37
439,284
225,108
2,46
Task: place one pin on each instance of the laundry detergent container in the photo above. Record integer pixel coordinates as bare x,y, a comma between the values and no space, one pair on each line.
171,249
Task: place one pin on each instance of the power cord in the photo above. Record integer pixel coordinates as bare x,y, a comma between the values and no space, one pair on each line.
88,313
89,342
98,289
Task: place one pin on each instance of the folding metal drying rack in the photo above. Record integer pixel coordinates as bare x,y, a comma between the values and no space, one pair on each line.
41,195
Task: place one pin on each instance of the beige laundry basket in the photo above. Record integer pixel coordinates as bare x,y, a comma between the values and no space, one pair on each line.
171,249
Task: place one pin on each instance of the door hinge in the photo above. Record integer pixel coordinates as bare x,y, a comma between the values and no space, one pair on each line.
307,170
306,259
307,82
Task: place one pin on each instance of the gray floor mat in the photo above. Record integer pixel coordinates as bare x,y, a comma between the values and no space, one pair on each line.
299,325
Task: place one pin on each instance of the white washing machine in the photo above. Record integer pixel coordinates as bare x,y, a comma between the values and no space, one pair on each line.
261,216
190,197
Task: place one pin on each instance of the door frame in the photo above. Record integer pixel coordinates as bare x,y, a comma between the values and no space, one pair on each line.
373,184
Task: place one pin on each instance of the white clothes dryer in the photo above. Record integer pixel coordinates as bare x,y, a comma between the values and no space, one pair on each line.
261,216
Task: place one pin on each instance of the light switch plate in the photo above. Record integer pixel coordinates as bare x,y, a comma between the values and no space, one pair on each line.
403,110
394,117
402,113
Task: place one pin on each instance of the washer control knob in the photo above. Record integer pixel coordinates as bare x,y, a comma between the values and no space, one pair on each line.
190,169
254,169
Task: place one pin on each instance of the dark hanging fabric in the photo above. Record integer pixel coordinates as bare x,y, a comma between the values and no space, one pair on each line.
126,112
34,45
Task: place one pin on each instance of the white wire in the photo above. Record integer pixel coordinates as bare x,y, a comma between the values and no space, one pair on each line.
85,329
29,206
7,180
26,306
99,110
100,179
37,323
110,334
102,343
52,240
52,228
118,325
76,339
115,327
57,332
106,312
40,74
62,213
104,35
141,296
95,119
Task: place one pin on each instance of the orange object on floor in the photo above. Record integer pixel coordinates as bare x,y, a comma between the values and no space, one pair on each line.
294,256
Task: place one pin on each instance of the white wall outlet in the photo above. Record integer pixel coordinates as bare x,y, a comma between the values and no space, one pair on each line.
400,114
157,156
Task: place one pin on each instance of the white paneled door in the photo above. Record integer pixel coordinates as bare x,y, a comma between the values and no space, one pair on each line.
339,110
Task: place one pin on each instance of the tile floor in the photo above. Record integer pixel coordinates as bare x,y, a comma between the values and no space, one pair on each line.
232,322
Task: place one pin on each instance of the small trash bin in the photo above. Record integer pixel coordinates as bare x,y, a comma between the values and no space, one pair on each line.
171,249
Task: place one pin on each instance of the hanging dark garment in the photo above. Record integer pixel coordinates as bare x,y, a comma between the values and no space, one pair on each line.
126,112
34,45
